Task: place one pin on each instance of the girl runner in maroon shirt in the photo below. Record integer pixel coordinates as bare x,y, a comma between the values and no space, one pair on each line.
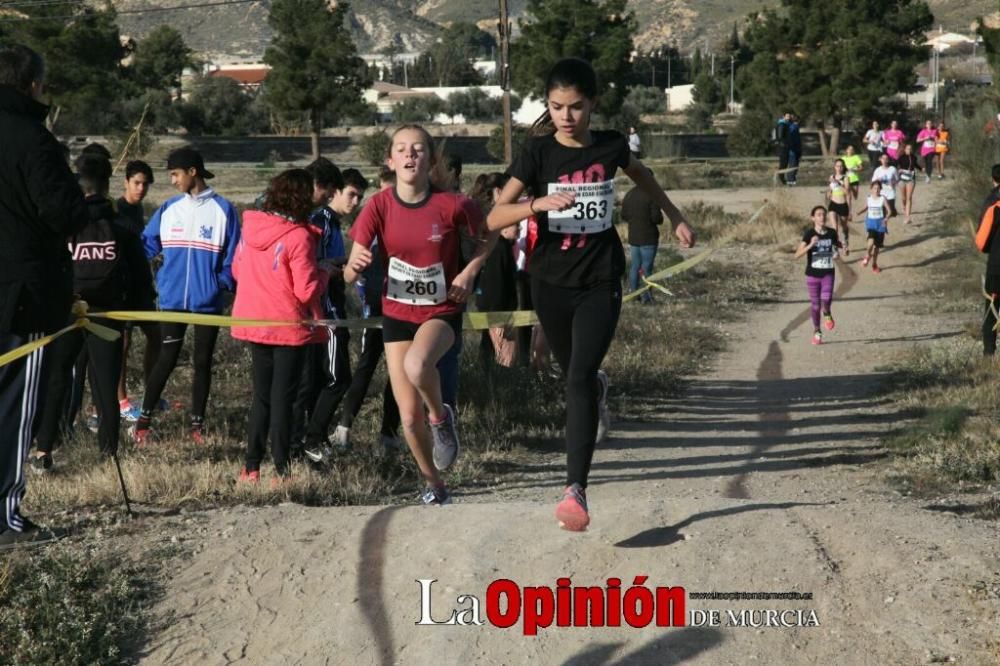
419,231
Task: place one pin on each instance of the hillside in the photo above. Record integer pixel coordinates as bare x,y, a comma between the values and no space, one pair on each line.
241,31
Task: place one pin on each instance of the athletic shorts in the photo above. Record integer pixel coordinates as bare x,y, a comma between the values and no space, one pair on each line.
878,237
840,209
397,330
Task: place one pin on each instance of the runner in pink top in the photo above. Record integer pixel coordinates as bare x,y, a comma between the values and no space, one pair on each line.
894,138
928,147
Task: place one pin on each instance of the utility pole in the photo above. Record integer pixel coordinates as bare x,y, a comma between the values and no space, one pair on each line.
732,83
670,78
503,31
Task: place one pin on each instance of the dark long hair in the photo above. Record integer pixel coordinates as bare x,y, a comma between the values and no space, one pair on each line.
567,73
482,189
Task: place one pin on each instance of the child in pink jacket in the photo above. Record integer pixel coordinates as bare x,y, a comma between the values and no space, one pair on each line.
279,279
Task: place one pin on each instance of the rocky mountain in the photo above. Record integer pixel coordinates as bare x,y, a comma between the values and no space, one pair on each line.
240,31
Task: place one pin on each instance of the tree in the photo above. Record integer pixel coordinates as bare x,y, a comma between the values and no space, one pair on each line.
160,59
991,41
418,109
661,68
599,31
218,105
83,54
475,104
647,100
448,61
315,70
833,60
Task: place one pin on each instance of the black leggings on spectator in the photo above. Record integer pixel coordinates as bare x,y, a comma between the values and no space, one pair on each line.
277,372
170,350
579,325
372,348
105,363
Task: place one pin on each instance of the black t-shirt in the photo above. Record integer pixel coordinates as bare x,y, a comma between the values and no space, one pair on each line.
819,259
643,217
561,257
131,215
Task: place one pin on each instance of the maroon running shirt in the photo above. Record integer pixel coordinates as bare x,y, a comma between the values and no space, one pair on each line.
419,246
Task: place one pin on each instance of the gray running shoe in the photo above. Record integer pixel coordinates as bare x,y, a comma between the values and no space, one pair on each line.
436,496
603,416
445,440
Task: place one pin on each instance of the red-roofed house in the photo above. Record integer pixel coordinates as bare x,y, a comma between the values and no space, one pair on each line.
249,76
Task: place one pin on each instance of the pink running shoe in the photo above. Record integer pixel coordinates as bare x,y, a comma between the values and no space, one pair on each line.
817,338
571,512
864,262
828,322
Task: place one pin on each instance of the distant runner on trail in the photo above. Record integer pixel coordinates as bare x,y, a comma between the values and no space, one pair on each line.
875,143
838,198
942,148
854,165
819,245
927,138
876,217
907,168
578,263
419,231
894,138
888,176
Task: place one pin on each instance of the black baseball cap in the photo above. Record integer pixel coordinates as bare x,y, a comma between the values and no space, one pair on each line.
188,158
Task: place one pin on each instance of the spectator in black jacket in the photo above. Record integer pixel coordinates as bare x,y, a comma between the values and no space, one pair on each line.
40,206
138,178
110,273
992,248
644,217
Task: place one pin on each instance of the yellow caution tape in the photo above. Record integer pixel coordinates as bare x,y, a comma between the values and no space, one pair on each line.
687,264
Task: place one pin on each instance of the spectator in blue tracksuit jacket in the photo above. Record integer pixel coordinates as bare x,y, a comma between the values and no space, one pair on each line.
196,233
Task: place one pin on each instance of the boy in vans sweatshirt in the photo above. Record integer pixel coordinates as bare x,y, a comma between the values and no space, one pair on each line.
196,233
110,272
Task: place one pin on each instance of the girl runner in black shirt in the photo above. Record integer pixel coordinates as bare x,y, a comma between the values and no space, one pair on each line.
577,266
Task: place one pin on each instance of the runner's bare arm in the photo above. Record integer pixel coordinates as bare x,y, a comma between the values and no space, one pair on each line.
645,180
509,211
360,259
803,248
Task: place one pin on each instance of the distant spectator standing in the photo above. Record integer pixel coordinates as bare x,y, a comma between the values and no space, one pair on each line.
110,273
634,143
196,233
781,139
41,205
794,150
644,217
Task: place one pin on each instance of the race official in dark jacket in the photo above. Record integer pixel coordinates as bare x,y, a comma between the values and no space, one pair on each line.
40,206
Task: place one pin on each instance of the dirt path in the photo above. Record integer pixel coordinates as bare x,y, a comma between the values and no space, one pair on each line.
755,480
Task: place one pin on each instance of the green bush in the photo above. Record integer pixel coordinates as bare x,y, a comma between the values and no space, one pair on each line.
68,605
751,136
374,148
418,109
647,99
495,144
